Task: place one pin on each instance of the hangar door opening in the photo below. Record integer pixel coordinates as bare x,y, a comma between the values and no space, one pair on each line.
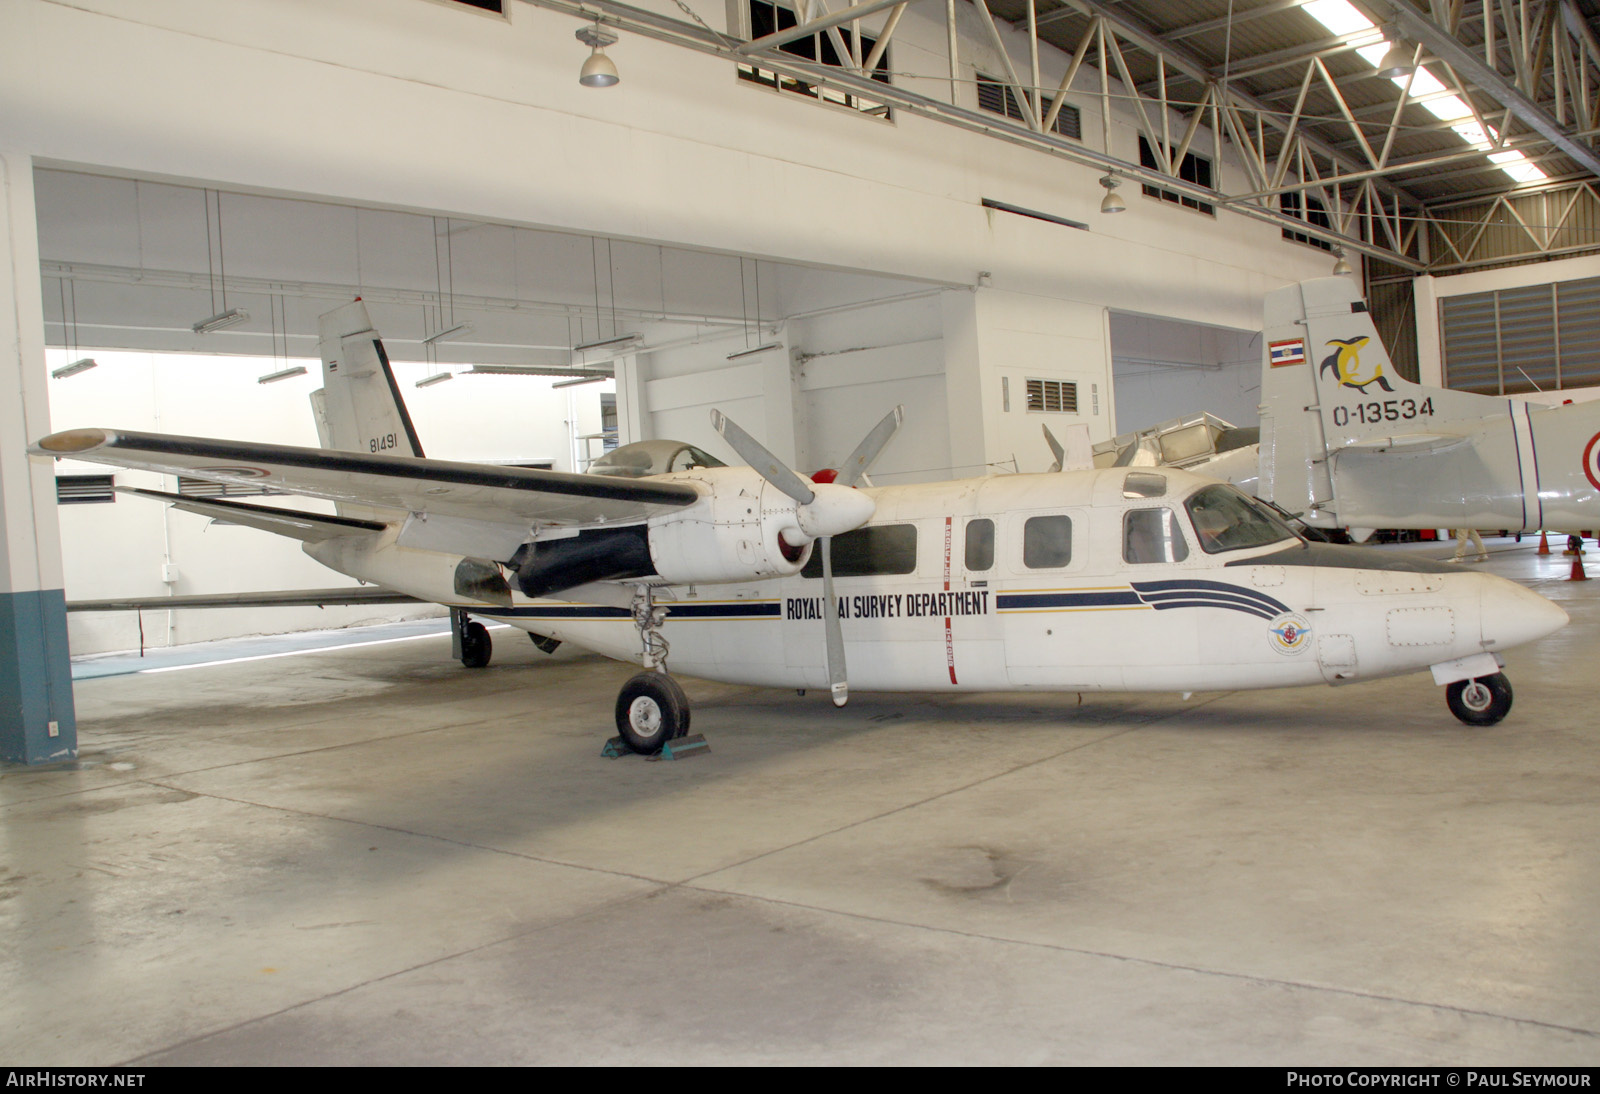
173,308
1163,369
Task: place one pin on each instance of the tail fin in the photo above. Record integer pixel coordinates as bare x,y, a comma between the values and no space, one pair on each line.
1327,385
359,408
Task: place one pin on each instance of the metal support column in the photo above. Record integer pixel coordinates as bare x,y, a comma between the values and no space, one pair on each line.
37,724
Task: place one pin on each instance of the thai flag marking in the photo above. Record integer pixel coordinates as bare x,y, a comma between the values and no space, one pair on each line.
1292,351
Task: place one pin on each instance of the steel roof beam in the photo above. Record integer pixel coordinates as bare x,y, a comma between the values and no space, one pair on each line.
702,38
1272,7
1188,63
1469,64
826,22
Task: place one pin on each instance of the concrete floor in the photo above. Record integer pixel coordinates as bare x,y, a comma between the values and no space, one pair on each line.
372,856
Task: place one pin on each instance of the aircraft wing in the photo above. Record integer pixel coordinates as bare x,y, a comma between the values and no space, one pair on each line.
310,527
287,598
484,493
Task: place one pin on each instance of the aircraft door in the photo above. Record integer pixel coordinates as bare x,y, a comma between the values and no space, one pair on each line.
974,646
1050,612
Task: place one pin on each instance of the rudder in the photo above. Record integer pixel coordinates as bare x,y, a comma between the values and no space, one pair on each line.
359,408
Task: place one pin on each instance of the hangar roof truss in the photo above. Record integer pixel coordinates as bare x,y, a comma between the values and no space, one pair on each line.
1439,169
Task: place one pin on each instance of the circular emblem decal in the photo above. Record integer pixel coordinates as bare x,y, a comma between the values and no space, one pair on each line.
1289,633
1591,454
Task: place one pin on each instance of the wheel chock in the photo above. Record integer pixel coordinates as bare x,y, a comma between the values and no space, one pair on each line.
682,748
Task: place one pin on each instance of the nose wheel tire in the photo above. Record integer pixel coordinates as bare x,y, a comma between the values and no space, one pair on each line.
651,710
1480,702
476,645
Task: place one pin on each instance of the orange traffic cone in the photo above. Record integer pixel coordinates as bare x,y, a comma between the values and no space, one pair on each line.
1544,543
1577,569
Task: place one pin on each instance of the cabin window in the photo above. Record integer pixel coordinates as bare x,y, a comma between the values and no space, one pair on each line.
1047,542
883,549
980,544
1152,535
1225,520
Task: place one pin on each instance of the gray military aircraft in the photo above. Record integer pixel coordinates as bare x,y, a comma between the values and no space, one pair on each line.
1346,441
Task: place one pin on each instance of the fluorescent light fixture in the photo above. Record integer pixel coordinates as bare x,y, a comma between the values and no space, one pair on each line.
282,374
1340,17
82,364
619,340
222,320
579,380
436,378
539,370
448,333
752,352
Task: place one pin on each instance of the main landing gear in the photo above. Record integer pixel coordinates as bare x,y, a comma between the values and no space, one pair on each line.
1480,702
469,640
652,710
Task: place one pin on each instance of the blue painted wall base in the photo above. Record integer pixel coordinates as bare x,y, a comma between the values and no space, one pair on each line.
35,679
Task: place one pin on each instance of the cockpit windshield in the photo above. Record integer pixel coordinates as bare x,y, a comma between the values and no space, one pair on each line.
635,461
1226,520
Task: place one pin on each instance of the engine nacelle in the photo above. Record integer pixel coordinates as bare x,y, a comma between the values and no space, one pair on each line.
742,529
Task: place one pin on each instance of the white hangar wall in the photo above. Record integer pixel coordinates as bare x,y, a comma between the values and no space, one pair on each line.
426,107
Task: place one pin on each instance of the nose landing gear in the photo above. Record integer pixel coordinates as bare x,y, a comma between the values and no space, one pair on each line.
1480,702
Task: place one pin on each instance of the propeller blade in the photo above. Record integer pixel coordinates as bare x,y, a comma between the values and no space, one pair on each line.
837,684
1055,447
853,469
765,463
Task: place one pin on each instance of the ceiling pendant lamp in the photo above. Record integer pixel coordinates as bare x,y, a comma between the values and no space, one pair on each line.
597,71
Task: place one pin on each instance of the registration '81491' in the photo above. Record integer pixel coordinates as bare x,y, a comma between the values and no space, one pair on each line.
1389,410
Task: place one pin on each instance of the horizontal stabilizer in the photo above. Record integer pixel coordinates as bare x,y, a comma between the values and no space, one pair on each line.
287,598
1406,442
309,527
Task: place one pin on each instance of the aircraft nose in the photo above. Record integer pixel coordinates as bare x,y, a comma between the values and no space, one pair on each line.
1513,615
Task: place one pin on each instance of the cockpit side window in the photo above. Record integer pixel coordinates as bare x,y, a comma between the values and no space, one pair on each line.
870,551
1152,535
1225,520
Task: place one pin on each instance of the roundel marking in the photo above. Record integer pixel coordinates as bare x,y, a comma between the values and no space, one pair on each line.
1591,453
1289,633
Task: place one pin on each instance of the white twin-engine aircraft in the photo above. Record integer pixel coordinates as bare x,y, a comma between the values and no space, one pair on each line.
1122,579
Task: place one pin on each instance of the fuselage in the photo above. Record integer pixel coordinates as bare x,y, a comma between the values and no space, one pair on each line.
1118,579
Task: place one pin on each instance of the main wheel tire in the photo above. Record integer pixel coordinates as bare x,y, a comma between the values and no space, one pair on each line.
651,710
476,646
1480,702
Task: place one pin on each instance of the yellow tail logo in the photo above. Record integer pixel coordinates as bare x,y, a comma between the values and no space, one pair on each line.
1345,364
